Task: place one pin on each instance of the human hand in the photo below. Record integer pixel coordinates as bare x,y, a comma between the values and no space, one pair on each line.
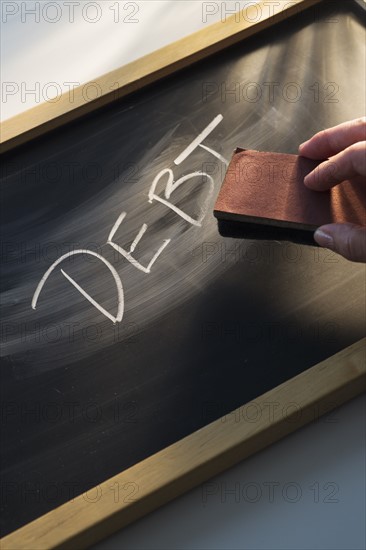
345,148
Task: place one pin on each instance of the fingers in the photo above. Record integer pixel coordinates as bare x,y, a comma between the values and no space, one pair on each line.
329,142
346,239
345,148
348,164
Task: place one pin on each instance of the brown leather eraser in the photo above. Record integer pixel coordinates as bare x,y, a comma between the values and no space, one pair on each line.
268,188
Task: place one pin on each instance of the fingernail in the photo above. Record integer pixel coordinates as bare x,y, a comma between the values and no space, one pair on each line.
302,144
309,180
323,238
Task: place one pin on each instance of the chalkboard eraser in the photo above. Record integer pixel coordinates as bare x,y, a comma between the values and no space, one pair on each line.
267,189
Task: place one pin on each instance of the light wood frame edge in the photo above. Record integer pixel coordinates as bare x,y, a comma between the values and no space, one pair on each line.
174,470
134,76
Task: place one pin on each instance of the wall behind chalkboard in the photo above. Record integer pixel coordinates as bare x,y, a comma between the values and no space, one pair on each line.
211,323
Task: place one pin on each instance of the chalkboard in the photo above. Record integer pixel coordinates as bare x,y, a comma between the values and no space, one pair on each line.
129,323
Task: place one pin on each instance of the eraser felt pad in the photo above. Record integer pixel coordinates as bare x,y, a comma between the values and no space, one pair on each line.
268,188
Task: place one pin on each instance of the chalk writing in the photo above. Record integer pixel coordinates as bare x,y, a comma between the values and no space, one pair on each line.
170,187
198,143
128,255
120,295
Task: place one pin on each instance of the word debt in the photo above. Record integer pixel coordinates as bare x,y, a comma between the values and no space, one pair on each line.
167,177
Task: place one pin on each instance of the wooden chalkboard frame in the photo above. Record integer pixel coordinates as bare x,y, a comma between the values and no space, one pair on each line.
146,70
174,470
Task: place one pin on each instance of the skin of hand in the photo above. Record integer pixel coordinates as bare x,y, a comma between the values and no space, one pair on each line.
345,148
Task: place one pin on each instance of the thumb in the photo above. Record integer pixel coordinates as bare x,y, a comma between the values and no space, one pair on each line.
346,239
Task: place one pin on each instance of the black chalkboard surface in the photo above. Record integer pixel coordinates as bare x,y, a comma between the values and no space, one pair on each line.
128,322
